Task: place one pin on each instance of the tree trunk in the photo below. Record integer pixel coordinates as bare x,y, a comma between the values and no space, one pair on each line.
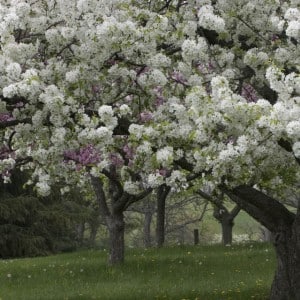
116,229
227,226
286,283
147,229
80,228
223,215
162,194
115,224
93,233
160,222
285,228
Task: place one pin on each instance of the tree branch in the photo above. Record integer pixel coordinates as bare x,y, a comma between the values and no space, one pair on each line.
266,210
100,195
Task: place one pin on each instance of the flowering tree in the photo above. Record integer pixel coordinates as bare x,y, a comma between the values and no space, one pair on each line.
132,95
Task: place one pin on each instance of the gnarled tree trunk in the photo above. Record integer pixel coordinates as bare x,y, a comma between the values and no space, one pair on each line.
114,214
116,229
286,283
285,228
114,221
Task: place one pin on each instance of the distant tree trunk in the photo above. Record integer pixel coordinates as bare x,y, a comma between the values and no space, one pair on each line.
80,228
196,236
223,215
147,229
226,218
116,229
162,194
227,226
93,232
285,228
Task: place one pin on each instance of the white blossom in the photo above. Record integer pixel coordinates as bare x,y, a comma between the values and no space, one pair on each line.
296,149
165,156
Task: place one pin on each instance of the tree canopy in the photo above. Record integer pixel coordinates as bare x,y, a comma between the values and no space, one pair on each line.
154,88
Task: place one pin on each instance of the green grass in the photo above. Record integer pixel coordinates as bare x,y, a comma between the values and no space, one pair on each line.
204,272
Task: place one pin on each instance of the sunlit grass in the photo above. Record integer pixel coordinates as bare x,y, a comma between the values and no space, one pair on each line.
210,272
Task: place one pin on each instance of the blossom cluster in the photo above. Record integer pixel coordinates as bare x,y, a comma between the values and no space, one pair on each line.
206,87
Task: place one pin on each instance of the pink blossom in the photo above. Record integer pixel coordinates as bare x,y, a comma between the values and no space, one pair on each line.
146,116
116,159
249,93
178,77
159,100
163,172
129,98
84,156
129,153
6,117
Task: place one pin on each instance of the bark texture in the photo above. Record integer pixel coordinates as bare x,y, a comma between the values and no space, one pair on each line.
223,215
147,229
285,229
227,226
114,218
113,214
116,229
162,194
226,219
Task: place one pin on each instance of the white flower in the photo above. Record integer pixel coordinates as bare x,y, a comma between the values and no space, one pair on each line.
293,29
293,129
220,88
105,110
176,179
292,14
13,70
72,76
208,20
281,54
165,156
193,50
136,130
43,188
144,148
106,116
64,190
131,188
296,149
155,180
277,23
159,60
58,136
125,110
10,91
156,77
103,132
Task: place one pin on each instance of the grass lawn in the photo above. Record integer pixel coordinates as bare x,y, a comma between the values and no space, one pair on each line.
202,272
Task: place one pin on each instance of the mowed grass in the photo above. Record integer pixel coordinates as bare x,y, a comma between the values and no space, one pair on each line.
199,272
